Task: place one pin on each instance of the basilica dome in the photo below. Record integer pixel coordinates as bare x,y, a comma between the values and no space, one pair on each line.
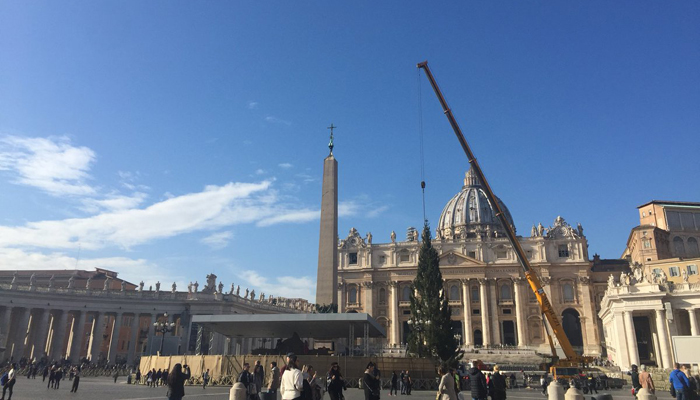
469,214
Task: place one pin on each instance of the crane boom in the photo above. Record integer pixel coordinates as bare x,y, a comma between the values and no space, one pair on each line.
530,274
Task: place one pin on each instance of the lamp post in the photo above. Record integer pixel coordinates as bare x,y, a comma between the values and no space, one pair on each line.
163,328
420,326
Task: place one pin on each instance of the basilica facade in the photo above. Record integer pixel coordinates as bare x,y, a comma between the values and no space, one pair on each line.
492,303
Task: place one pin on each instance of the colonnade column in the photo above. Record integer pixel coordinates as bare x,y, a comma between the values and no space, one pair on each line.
57,350
42,335
631,338
394,313
519,312
495,321
78,335
135,327
467,311
369,297
485,320
5,330
114,340
21,334
97,332
152,334
693,322
663,338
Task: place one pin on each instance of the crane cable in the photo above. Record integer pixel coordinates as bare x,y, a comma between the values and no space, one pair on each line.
420,139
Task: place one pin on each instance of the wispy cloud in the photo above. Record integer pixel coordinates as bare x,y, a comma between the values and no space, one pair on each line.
252,105
274,120
285,165
259,171
50,164
115,202
282,286
375,212
218,240
306,178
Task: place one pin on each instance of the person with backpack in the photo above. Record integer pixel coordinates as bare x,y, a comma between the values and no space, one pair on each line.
394,384
680,383
335,382
370,383
76,379
292,380
205,379
477,384
9,381
497,385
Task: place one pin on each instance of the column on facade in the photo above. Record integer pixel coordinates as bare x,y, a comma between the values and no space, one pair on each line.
467,311
152,334
5,329
368,307
42,335
693,322
631,339
114,340
519,312
620,340
485,318
21,334
97,332
493,310
131,351
394,313
77,334
663,338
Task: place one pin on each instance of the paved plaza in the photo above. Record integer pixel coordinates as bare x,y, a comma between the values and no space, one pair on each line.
106,389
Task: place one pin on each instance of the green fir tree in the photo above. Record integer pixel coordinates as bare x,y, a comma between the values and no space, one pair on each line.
431,326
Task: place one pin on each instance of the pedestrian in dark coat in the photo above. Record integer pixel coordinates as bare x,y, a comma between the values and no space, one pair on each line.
370,383
497,385
335,381
477,384
57,378
176,382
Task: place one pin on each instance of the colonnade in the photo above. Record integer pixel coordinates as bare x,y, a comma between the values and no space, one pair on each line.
73,334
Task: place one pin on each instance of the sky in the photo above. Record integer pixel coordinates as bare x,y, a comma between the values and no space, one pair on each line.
167,140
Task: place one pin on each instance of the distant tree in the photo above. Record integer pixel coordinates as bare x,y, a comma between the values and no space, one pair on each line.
431,326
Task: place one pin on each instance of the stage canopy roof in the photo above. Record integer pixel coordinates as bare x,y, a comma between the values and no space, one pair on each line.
316,326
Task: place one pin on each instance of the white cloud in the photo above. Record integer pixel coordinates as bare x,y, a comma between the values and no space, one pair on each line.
274,120
114,202
347,208
50,164
252,105
296,216
283,286
218,240
285,165
375,212
259,171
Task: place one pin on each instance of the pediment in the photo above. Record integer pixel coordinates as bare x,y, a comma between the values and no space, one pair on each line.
453,258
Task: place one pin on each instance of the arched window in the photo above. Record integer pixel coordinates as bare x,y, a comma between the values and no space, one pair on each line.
475,294
693,250
505,292
678,246
454,292
406,293
382,296
568,293
352,295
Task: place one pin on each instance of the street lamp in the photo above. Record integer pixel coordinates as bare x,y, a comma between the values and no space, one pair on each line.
420,326
163,328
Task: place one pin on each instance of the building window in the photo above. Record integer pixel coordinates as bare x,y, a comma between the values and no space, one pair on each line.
404,256
673,271
528,254
472,254
352,258
382,296
352,296
406,294
382,260
657,271
454,293
476,311
507,311
501,254
646,243
531,297
475,294
568,293
679,247
692,269
406,312
563,251
505,293
693,250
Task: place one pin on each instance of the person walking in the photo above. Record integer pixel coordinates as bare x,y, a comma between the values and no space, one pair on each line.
544,382
45,373
692,383
402,381
138,376
497,385
394,384
205,379
258,378
477,383
115,375
370,383
409,383
335,382
645,380
76,380
274,382
680,383
9,383
57,378
446,388
176,382
292,380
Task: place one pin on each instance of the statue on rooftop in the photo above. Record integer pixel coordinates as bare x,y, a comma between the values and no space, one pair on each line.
252,294
246,293
71,281
174,287
14,279
51,280
196,286
611,281
123,286
108,281
238,290
32,279
189,287
221,288
87,284
141,286
158,287
533,231
393,237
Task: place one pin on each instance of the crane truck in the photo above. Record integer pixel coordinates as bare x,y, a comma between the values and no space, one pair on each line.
569,366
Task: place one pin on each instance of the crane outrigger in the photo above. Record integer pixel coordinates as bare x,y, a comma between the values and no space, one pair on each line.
572,360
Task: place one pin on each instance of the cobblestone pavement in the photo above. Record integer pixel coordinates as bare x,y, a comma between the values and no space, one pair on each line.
106,389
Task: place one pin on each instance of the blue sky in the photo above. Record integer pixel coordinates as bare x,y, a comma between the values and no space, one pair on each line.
167,139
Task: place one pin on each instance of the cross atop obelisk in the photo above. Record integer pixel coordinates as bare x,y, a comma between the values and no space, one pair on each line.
330,144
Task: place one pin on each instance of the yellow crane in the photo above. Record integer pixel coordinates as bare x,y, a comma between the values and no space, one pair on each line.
560,367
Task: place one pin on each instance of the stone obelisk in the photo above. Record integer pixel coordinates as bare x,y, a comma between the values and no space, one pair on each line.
327,278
